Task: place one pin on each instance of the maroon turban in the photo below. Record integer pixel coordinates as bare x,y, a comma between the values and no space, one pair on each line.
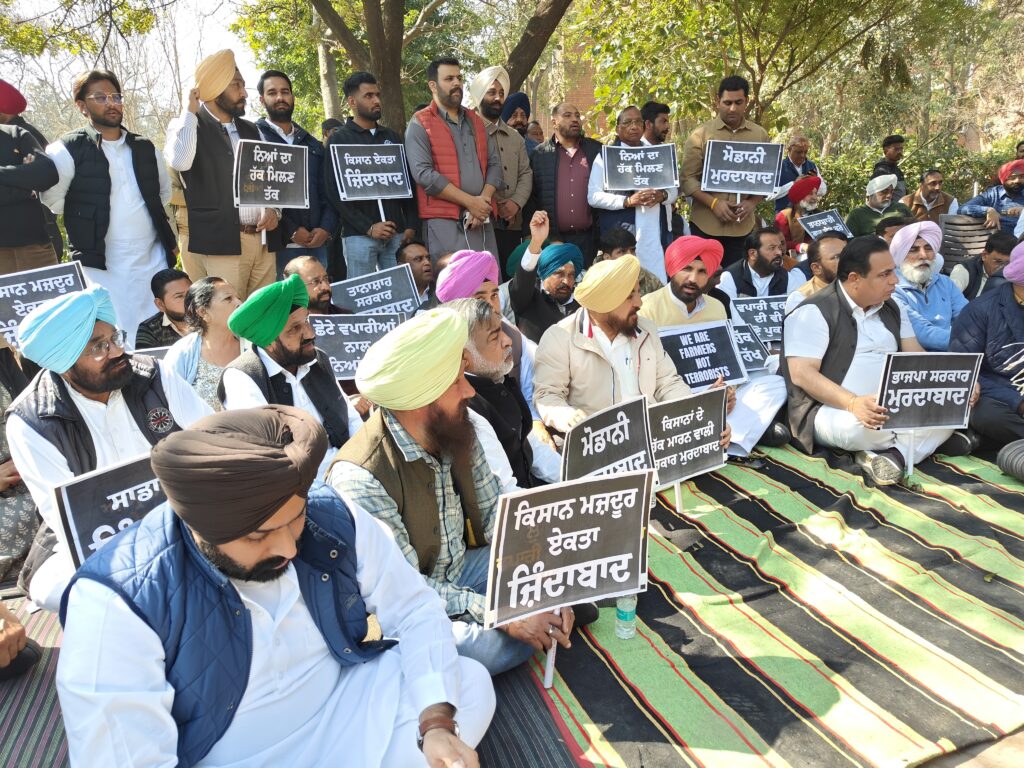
1010,168
688,248
803,187
11,100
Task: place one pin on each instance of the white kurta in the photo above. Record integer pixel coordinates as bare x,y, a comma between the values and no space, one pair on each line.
116,438
546,462
300,706
795,279
133,250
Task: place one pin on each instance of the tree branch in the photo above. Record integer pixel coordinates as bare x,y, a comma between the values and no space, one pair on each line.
353,45
419,26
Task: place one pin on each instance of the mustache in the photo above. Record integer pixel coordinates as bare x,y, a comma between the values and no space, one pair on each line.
111,364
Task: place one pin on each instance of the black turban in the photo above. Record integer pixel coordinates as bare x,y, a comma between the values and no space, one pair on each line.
232,471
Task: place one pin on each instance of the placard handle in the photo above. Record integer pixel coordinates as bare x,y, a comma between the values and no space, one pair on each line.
910,457
380,207
549,664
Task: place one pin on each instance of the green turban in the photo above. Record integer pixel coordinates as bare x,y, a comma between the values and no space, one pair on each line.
265,314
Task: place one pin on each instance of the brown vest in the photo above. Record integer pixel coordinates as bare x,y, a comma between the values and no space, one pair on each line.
411,486
921,213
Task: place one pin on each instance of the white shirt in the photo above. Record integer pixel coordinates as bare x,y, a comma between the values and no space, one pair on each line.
806,335
300,706
795,278
954,204
619,353
546,462
681,305
794,300
116,438
240,391
288,137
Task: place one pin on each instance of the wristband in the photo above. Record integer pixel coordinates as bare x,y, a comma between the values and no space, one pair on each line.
714,202
433,723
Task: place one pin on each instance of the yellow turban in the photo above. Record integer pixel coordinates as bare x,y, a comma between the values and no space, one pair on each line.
214,73
414,364
608,283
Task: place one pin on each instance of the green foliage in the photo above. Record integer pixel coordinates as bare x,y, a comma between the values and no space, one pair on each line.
75,26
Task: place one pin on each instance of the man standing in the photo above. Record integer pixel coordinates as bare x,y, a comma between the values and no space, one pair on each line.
488,91
226,241
879,201
456,167
112,191
972,275
415,254
318,285
823,261
370,244
241,622
1001,205
647,213
561,179
795,165
762,273
310,229
929,201
892,153
169,287
516,112
716,214
92,405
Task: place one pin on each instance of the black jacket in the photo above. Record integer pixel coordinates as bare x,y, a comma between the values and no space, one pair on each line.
545,176
505,409
23,215
535,309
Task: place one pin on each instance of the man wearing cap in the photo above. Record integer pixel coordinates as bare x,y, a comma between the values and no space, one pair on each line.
804,197
929,202
541,290
892,153
318,285
763,272
487,92
417,466
242,622
283,366
932,301
879,201
226,241
91,405
823,261
1000,206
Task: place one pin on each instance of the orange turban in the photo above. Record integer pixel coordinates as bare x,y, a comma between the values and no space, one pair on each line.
1010,168
688,248
803,187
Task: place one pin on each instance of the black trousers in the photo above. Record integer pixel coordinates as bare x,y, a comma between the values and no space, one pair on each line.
997,422
733,246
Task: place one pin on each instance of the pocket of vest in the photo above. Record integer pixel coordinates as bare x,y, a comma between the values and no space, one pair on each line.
79,220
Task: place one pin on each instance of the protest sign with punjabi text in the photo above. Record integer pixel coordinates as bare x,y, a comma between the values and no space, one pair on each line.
271,175
345,338
924,390
703,352
763,315
21,292
386,292
752,350
686,436
645,167
816,224
744,167
614,440
370,172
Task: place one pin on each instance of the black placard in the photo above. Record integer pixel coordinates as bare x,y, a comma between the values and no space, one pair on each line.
925,390
686,436
386,292
703,352
763,315
611,441
271,175
21,292
345,338
816,224
752,350
370,172
745,167
649,166
96,505
568,543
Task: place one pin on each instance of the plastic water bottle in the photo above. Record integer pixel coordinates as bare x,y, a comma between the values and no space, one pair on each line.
625,617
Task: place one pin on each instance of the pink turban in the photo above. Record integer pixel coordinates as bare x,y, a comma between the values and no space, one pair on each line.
1010,168
904,240
688,248
465,273
1014,271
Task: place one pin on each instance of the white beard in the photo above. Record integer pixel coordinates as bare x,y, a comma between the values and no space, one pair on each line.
919,274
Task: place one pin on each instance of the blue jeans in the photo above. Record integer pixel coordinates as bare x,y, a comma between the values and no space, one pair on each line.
287,254
498,651
364,255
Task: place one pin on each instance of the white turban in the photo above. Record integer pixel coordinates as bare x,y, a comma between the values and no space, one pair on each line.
879,183
479,85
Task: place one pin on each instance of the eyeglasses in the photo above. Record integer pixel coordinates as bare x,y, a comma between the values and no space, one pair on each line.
103,98
100,350
325,280
632,122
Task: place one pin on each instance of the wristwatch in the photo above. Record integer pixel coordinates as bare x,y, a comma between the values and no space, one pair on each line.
433,723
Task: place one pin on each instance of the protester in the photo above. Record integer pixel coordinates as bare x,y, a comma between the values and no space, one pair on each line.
892,153
163,329
1000,206
891,223
762,273
415,254
647,213
929,202
284,367
201,357
541,291
254,564
717,214
370,244
834,349
487,93
972,276
318,285
420,437
795,165
92,405
456,167
112,190
307,231
515,112
18,518
823,260
804,197
561,178
619,242
327,129
993,325
226,241
930,299
534,136
879,201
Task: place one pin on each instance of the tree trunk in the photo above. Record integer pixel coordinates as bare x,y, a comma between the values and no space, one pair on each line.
538,31
328,81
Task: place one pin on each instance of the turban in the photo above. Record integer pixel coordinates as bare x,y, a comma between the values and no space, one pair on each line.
1005,172
479,85
688,248
904,240
803,187
1014,271
555,256
414,364
229,473
608,283
57,331
265,314
214,73
465,273
517,100
12,102
879,183
516,256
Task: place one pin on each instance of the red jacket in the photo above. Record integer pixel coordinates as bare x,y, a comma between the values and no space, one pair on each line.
446,160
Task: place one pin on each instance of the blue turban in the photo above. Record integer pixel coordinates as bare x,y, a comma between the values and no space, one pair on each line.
517,100
57,331
554,256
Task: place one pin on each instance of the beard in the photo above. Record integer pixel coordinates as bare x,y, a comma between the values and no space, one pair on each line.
232,108
279,113
492,109
447,435
265,570
109,379
919,274
626,326
113,119
496,372
808,206
293,358
369,114
175,317
452,98
322,302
